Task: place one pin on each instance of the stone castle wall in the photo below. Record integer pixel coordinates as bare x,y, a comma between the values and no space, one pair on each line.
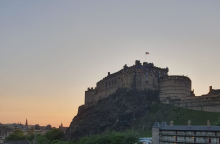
174,89
209,102
139,76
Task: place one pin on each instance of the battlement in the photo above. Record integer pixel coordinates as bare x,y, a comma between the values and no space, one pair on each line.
174,89
171,77
90,89
139,76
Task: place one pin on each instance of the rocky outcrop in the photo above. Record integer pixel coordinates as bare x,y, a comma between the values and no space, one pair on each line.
117,112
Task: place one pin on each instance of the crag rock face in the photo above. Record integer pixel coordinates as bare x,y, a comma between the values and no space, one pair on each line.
116,112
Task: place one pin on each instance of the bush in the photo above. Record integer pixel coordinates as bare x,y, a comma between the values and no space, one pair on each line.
129,137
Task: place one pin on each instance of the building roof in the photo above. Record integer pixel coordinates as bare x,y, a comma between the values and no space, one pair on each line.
191,128
216,90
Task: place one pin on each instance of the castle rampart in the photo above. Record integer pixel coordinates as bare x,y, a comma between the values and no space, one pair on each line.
139,76
209,102
174,89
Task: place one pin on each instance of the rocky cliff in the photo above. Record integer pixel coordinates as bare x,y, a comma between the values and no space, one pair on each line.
131,109
117,112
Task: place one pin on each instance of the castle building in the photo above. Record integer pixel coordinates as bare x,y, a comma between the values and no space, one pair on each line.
141,77
172,134
174,89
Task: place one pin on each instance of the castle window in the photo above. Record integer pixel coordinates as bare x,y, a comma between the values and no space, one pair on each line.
146,73
134,73
146,79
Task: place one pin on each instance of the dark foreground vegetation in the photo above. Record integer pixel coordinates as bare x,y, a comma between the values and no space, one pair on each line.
55,136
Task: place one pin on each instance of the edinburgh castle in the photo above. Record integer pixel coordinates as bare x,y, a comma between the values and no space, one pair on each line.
174,89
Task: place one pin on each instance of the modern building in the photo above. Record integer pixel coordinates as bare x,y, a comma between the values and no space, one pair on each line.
189,134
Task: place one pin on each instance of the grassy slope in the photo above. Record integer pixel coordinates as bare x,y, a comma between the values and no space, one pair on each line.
167,113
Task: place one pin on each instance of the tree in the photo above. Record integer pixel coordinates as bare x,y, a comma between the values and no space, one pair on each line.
16,135
55,134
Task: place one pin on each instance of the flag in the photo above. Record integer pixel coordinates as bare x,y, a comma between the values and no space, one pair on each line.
147,52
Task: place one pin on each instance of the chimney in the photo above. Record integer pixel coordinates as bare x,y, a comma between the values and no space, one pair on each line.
189,122
108,73
210,88
171,123
208,123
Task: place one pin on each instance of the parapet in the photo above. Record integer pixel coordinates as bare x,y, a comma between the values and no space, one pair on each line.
90,89
172,77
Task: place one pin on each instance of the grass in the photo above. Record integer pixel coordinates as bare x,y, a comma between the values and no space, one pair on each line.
180,116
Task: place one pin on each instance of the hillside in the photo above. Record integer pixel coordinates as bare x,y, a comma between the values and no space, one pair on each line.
131,109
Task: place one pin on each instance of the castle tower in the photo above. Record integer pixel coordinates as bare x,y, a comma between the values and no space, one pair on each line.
61,124
26,124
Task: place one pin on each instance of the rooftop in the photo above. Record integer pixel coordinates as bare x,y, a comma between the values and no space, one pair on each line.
188,127
191,128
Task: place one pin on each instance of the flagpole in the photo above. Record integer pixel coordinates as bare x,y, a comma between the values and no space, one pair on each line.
145,56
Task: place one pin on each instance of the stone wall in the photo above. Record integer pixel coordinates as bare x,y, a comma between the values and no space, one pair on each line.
174,87
209,102
139,76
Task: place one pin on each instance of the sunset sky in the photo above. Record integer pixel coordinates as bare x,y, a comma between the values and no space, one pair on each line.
52,51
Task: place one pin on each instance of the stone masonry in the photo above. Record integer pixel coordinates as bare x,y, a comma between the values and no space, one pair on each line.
174,89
